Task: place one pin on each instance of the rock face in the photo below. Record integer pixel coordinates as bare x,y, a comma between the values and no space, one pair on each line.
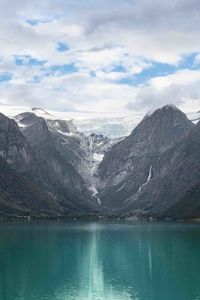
188,206
19,196
130,166
48,168
13,146
61,154
71,157
180,185
47,159
18,153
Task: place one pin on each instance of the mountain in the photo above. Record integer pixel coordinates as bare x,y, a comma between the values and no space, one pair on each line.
173,192
19,196
45,155
62,154
49,168
18,153
13,146
130,166
112,127
21,174
118,127
183,178
188,206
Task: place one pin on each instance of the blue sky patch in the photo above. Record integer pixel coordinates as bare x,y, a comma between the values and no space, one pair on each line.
35,22
26,60
189,62
5,77
35,79
62,47
157,69
119,68
93,74
32,22
60,70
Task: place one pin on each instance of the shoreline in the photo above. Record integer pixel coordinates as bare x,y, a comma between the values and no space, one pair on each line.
95,217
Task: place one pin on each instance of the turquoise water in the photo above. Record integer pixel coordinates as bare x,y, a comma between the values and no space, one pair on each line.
118,261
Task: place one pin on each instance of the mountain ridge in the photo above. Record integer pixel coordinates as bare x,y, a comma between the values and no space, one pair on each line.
82,174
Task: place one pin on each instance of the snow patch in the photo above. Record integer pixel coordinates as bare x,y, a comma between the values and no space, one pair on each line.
21,125
112,127
98,157
67,133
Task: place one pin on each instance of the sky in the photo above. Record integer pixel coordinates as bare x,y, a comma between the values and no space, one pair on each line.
100,58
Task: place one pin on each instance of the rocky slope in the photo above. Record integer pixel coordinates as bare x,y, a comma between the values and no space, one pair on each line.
49,168
173,191
19,196
129,168
181,183
48,155
61,153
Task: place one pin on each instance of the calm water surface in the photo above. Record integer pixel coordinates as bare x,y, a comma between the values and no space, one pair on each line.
95,261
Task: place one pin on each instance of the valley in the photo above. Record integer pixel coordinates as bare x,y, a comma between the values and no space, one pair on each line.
148,173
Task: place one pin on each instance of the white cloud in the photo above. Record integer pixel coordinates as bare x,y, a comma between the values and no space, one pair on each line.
101,35
113,76
180,88
75,92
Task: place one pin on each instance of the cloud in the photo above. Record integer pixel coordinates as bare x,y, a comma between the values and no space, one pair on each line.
180,88
100,56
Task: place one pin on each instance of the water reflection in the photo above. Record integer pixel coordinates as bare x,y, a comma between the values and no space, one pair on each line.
90,261
91,280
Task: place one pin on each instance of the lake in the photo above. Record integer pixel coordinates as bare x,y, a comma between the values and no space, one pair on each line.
99,260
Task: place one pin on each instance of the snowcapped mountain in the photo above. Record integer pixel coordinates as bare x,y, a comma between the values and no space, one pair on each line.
119,127
53,138
110,127
78,171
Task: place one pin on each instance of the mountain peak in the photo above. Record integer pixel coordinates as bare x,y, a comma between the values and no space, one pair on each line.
170,106
167,116
5,122
167,107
